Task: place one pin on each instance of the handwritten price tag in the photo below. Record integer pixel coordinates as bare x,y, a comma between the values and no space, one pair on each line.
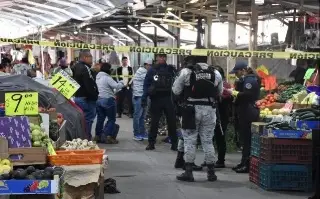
22,103
64,84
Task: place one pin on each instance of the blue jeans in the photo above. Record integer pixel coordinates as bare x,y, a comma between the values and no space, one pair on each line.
138,117
106,107
89,109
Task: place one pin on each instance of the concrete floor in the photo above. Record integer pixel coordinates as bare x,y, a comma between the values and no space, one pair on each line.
144,174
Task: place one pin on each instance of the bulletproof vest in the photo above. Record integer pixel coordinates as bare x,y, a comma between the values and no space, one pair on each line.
201,84
163,79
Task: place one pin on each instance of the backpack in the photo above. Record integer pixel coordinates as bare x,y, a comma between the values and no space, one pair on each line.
202,83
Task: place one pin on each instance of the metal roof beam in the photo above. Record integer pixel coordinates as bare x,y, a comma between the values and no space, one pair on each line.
73,5
15,16
40,11
70,14
33,15
92,5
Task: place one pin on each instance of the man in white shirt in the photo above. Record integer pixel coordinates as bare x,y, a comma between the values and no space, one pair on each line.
124,73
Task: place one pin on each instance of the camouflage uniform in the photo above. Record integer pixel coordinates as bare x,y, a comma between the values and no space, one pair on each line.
205,117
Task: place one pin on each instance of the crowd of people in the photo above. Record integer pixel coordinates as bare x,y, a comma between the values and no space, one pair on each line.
198,95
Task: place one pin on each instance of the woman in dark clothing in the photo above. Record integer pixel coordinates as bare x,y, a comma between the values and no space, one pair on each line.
223,113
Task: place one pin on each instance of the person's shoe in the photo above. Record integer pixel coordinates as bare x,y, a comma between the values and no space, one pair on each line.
111,140
237,166
187,176
179,164
219,165
243,169
211,173
137,138
145,136
119,116
150,147
195,167
97,139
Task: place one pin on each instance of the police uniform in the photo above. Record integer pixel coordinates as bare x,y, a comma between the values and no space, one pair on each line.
157,86
204,114
248,91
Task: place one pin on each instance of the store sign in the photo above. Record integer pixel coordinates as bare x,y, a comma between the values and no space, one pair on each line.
21,103
64,84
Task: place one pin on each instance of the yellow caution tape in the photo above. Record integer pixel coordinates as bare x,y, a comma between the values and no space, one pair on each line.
168,51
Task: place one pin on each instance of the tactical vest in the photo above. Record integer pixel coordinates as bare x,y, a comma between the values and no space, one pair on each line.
201,84
163,79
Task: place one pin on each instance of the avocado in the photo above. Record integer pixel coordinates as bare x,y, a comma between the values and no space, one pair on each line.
5,176
47,175
30,169
19,174
49,170
30,177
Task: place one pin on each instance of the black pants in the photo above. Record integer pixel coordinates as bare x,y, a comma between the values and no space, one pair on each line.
247,114
124,96
159,106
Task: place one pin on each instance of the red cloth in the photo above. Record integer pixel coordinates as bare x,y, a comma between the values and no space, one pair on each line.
226,93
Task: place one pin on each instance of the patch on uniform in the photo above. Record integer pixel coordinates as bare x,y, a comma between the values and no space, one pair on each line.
155,78
248,86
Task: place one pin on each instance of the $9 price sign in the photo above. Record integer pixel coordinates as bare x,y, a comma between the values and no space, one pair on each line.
64,84
22,103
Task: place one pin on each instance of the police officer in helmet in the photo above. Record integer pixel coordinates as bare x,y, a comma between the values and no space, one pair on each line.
157,86
200,85
246,94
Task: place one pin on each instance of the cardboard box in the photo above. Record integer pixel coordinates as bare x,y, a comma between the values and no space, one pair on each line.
257,127
27,156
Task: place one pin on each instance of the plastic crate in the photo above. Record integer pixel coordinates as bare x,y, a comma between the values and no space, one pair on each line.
285,177
255,145
295,151
254,170
79,157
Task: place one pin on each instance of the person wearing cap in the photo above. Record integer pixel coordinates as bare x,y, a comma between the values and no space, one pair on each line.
247,93
125,73
157,86
139,130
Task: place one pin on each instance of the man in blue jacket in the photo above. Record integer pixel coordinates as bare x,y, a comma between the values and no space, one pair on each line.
157,86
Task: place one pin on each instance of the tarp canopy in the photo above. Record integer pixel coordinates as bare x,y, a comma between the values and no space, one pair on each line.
48,97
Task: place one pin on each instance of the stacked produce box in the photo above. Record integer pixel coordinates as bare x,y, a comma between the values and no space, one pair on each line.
281,157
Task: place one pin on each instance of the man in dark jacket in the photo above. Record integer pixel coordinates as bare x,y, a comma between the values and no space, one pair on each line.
87,94
157,86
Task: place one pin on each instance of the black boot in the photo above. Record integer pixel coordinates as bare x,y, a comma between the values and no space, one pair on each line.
211,174
237,166
195,167
150,147
219,164
187,175
179,164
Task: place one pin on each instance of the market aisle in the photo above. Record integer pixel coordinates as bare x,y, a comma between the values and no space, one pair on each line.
150,175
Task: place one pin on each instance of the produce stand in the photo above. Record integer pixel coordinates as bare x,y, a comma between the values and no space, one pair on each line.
284,155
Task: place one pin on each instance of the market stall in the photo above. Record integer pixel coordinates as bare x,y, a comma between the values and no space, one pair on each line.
282,150
36,158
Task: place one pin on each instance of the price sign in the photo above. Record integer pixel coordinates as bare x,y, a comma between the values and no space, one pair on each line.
64,84
22,103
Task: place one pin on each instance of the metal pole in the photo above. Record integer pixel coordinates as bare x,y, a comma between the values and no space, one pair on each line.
41,53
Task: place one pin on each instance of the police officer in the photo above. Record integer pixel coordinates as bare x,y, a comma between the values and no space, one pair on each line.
200,85
246,94
157,86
